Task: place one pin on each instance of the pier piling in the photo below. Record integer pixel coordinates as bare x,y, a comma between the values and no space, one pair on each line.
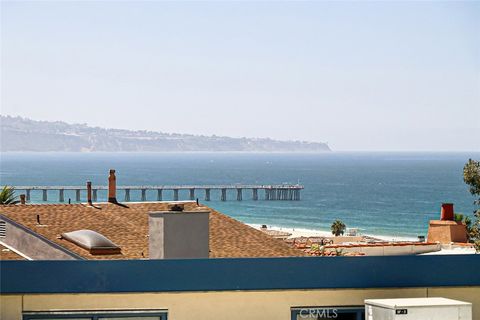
239,194
272,192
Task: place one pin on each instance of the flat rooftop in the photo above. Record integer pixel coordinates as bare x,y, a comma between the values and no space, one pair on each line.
414,302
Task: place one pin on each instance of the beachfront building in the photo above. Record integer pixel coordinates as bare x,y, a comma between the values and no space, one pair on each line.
182,260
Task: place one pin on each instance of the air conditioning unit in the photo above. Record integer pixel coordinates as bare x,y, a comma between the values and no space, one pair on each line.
417,308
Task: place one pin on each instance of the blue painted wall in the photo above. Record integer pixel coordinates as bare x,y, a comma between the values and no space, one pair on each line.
238,274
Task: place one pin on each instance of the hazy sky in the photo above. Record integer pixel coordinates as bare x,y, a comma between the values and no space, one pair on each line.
362,76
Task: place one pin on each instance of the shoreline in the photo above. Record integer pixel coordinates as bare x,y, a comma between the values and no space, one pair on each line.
302,232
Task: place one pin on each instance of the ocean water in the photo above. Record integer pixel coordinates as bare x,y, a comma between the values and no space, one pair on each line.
393,194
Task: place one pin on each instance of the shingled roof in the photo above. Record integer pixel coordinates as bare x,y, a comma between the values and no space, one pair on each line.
7,254
127,226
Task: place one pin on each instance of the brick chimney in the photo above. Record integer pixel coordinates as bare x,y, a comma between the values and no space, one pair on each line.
89,193
447,213
112,187
22,199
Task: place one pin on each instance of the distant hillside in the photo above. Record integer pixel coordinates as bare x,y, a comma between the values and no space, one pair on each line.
21,134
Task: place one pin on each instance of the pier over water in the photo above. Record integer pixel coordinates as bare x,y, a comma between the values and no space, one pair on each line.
290,192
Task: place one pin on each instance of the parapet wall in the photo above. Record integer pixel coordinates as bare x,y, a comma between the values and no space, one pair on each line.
255,288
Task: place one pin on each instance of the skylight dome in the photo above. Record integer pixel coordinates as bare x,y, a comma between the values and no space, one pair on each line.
92,241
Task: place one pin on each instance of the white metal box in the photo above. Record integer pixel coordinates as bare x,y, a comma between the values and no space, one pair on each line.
417,309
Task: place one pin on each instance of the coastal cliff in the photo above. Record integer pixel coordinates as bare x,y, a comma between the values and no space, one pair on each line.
22,134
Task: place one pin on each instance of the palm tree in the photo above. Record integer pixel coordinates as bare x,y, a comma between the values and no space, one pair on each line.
7,196
338,228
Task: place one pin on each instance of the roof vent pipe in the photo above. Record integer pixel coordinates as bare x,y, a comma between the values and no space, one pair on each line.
89,193
176,207
112,187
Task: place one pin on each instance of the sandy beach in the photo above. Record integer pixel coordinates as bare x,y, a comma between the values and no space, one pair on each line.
300,232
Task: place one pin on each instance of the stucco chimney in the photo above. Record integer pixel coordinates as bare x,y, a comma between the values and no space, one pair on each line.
178,234
112,187
89,193
447,230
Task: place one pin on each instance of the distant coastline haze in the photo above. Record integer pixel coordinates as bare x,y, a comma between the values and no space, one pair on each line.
371,76
24,135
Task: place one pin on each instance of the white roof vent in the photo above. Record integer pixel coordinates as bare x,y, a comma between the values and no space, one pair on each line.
92,241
